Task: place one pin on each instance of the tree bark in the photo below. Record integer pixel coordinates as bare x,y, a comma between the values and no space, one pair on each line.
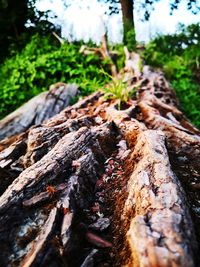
96,186
128,23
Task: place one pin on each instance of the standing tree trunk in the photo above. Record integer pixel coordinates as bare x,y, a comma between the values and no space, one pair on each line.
128,23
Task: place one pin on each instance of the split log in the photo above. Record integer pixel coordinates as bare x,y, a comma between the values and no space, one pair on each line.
38,109
95,185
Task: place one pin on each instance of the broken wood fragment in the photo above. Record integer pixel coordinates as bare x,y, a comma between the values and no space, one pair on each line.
40,240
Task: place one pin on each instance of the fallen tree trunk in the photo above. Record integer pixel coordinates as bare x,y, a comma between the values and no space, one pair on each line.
98,186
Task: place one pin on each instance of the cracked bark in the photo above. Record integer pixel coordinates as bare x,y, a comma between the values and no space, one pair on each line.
55,174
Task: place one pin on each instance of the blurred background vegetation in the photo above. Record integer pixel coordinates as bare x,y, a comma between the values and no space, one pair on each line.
178,55
31,58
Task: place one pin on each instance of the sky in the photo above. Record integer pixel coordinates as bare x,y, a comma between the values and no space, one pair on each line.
86,19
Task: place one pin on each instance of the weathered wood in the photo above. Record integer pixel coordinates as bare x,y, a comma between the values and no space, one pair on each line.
62,196
155,214
69,148
40,239
86,146
43,138
161,228
38,109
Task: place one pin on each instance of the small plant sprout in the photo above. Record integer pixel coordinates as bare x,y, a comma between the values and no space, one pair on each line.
118,89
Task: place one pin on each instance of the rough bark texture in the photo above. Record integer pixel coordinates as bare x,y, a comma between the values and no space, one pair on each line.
155,197
98,186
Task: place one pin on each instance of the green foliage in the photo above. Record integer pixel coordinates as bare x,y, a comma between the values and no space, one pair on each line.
179,56
42,62
118,55
118,90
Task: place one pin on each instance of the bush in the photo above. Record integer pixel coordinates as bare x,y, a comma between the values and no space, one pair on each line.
42,62
179,56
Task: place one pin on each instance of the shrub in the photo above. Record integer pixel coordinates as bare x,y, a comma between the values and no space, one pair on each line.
43,62
179,56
